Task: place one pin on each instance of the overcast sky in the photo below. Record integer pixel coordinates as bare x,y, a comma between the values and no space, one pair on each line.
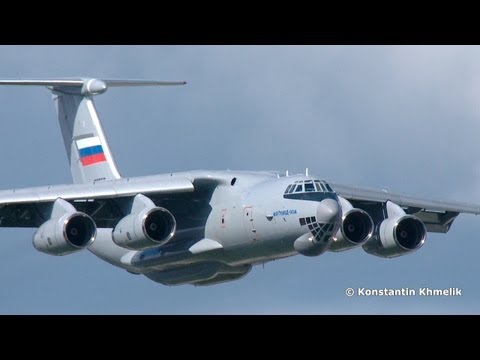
402,118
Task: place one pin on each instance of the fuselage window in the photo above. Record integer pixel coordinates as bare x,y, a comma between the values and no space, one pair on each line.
292,189
299,188
317,186
288,188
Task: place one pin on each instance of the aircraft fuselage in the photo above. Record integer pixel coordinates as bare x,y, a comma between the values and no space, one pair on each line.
251,220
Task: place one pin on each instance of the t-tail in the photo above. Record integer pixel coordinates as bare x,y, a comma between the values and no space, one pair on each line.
87,147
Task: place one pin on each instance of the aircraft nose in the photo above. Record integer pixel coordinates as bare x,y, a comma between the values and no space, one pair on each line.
329,216
328,211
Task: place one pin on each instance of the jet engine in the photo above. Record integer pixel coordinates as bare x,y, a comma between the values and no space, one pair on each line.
150,227
397,235
356,228
61,236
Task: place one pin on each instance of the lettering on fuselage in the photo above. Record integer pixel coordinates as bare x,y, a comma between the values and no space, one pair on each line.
285,212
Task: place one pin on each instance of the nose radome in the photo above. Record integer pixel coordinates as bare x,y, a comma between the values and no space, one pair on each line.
329,211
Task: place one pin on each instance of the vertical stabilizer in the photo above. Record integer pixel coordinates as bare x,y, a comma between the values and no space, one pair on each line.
87,148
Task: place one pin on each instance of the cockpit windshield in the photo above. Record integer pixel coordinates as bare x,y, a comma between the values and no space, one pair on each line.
307,186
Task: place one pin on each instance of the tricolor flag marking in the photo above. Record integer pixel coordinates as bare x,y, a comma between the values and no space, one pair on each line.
90,151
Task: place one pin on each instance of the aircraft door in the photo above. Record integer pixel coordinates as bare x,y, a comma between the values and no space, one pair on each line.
249,223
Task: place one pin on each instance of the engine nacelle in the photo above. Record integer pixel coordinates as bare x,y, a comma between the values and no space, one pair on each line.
148,228
397,236
356,229
61,236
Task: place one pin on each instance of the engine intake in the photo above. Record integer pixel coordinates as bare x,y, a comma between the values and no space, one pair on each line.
398,236
65,235
148,228
356,229
410,233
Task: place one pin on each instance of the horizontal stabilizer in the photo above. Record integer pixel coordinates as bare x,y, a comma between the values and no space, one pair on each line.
44,82
126,82
88,86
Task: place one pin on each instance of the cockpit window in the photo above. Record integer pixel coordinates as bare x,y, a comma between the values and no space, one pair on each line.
309,187
300,186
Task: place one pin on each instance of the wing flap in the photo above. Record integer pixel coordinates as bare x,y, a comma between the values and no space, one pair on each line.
437,222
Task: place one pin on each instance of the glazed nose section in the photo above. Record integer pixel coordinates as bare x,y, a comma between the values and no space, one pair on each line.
329,211
329,216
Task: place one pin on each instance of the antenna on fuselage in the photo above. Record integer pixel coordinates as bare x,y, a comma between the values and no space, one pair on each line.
286,173
306,171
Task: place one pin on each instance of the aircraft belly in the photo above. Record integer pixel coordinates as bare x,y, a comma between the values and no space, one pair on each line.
259,252
226,263
202,273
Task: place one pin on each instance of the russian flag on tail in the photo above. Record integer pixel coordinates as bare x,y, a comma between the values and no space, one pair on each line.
90,151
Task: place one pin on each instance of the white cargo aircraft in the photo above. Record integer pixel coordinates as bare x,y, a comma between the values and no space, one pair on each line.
202,227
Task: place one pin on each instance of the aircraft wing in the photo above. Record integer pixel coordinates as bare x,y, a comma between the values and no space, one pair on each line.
438,216
30,207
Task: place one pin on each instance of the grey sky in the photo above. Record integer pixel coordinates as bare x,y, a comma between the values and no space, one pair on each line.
396,117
